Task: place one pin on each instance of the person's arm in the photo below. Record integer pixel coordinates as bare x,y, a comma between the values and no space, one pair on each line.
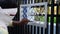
22,22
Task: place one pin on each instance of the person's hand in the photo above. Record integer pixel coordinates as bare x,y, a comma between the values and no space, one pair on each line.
24,21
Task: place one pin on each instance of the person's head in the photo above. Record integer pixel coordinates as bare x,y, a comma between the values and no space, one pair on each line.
9,13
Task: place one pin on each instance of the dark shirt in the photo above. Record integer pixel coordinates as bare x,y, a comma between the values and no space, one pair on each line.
8,3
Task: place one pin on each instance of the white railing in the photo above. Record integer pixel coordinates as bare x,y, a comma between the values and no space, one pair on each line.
36,30
54,28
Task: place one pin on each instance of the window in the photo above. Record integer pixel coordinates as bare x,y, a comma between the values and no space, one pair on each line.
59,10
37,1
55,10
39,10
49,19
49,10
40,1
49,1
54,19
55,1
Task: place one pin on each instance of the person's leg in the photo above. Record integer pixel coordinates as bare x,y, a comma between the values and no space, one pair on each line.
3,31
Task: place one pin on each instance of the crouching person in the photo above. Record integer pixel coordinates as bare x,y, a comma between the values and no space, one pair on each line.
6,16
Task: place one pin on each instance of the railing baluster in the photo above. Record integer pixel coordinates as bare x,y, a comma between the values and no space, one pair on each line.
33,1
29,29
30,1
39,30
24,29
36,29
49,28
54,28
27,1
32,29
43,30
